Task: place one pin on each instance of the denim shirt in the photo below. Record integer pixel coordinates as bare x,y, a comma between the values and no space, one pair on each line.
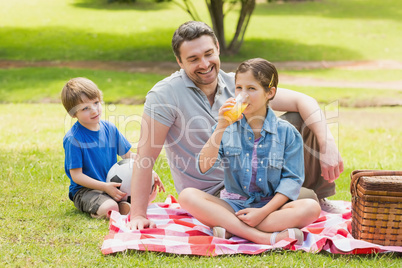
280,159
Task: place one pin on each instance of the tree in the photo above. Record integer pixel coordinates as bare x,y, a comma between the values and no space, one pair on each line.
218,9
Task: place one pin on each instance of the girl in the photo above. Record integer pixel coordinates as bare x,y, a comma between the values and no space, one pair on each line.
264,168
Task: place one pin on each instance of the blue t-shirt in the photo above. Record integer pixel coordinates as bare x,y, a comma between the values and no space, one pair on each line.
93,151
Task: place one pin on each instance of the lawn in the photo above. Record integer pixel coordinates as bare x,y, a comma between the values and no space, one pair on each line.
45,84
94,30
37,85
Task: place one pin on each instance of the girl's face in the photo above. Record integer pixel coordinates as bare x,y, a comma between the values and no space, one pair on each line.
89,113
258,98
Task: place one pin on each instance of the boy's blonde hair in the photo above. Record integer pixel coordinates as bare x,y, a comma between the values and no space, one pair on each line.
77,88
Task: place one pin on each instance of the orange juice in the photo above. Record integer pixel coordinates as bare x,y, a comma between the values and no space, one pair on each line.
241,104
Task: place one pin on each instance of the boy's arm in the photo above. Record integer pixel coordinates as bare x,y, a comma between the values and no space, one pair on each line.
88,182
314,118
130,154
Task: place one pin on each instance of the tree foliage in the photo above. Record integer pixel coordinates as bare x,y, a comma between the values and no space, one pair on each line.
218,9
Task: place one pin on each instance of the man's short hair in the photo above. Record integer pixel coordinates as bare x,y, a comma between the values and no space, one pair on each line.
77,88
189,31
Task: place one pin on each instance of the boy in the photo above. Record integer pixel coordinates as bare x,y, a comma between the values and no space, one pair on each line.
91,147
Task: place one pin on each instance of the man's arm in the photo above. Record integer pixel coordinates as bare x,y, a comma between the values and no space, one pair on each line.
314,118
152,138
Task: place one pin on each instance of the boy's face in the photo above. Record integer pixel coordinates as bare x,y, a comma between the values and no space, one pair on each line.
89,113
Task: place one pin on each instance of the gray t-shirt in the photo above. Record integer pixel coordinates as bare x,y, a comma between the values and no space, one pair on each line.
177,103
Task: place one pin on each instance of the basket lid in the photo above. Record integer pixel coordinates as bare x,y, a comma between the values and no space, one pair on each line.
377,180
381,183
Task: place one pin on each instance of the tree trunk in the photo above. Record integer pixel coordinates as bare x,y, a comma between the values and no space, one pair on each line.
247,8
215,8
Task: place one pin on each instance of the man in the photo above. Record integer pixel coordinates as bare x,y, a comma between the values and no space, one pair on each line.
181,109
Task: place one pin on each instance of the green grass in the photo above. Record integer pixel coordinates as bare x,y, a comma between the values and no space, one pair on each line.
348,97
40,226
94,30
334,74
45,84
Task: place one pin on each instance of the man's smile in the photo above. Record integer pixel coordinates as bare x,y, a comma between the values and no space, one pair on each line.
207,71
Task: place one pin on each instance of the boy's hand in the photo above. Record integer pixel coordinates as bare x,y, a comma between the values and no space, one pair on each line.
111,189
157,182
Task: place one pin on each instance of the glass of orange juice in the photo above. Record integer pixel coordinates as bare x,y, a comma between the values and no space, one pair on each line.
242,100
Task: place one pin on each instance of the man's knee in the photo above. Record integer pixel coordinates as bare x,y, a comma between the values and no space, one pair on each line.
294,118
307,194
187,194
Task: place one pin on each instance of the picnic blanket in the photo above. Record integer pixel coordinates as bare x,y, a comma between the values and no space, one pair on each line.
178,232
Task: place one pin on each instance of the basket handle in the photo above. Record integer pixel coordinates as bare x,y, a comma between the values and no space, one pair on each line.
357,174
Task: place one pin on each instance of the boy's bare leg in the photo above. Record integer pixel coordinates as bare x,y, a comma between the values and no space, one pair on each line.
106,208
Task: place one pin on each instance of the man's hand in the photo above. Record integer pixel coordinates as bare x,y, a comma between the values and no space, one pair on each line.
331,162
140,223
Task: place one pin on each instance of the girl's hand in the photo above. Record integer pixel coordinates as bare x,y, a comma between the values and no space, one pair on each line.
111,189
251,216
223,120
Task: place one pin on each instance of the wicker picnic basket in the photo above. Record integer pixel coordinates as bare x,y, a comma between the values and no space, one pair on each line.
377,206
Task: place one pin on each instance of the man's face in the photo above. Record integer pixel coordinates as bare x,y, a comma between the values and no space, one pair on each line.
200,60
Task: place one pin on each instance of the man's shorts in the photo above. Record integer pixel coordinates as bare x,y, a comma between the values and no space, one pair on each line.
89,200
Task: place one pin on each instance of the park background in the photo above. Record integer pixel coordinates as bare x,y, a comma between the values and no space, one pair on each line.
345,53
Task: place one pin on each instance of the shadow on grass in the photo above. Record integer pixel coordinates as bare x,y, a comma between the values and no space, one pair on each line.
382,10
145,5
64,44
333,9
278,50
43,85
61,43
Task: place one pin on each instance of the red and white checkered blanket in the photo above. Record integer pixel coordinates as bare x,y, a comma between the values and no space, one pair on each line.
178,232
